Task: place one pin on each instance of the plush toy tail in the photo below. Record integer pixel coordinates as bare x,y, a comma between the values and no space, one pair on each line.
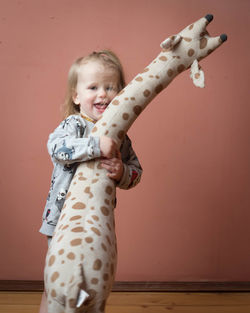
72,299
76,293
82,298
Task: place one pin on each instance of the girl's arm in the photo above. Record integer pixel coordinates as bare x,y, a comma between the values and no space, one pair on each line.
125,168
67,144
132,169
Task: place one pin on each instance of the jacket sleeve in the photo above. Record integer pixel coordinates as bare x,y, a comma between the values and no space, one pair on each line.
132,168
67,145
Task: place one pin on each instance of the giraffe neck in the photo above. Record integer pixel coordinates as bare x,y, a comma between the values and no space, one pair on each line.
178,54
133,99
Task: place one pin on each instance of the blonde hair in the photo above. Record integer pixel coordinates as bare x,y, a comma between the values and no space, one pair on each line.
108,58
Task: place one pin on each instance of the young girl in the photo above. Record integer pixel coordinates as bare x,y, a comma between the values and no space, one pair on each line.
93,82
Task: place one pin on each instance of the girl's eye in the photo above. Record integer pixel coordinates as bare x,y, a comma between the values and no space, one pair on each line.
93,87
110,88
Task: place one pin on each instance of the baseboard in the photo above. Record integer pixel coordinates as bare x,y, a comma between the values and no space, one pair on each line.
142,286
166,286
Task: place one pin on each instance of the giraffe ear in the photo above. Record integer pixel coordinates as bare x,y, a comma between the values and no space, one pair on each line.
170,42
197,75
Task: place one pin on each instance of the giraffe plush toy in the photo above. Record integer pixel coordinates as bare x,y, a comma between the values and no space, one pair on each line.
81,261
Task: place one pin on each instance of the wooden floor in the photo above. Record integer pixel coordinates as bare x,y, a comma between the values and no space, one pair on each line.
143,302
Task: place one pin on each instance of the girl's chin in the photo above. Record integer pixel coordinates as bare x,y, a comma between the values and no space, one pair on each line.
100,111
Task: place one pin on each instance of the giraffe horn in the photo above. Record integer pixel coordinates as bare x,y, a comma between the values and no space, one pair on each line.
223,37
209,18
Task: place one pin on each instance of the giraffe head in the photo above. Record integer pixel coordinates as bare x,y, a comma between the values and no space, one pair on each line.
193,44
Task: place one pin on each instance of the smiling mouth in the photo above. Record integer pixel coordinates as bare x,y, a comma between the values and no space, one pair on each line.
101,106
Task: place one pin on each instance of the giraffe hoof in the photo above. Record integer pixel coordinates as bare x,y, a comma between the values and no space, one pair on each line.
223,37
209,17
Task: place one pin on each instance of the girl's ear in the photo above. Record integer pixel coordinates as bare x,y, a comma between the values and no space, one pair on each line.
75,97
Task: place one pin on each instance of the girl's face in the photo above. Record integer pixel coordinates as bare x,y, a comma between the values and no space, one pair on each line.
97,85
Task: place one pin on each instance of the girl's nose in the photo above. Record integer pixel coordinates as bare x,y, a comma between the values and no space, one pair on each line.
102,92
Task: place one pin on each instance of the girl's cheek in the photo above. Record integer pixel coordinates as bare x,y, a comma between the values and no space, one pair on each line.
114,94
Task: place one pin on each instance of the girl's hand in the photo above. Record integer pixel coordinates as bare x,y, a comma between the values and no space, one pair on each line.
114,166
108,147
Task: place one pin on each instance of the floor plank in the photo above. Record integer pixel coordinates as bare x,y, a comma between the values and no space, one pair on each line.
177,309
143,302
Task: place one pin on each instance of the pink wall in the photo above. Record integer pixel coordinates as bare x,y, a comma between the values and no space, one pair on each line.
189,217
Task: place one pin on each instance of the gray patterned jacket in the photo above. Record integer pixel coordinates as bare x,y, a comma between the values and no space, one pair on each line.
69,145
